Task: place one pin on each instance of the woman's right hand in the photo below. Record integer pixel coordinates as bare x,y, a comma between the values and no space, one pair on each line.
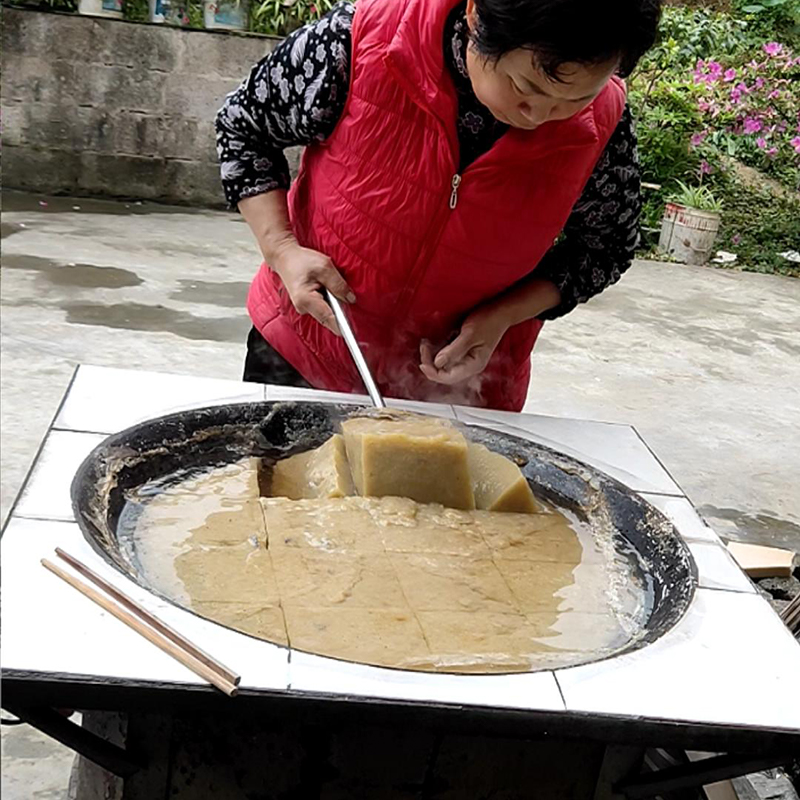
304,272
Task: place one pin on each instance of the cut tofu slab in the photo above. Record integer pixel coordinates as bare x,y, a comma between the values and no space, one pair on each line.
762,562
323,472
423,458
261,621
498,483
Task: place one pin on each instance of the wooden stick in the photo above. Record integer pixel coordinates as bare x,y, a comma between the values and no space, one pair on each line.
151,619
791,615
160,641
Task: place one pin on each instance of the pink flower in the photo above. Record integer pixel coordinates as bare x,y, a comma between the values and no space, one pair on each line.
698,138
772,48
773,95
730,74
736,238
772,151
705,168
714,68
752,125
759,84
796,143
736,96
761,143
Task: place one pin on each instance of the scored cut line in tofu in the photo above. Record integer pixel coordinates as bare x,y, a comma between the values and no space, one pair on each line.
259,620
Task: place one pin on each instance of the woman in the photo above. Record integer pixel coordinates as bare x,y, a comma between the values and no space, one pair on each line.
470,171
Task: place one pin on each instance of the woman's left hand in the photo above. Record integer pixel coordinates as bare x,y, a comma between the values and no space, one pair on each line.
469,353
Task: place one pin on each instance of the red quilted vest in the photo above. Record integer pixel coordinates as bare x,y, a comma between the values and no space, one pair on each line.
376,197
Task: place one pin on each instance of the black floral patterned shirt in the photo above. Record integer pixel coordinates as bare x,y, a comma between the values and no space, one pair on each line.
296,95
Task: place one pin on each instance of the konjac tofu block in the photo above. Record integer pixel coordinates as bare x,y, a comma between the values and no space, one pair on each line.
322,472
327,525
370,636
309,578
405,456
452,583
230,574
498,483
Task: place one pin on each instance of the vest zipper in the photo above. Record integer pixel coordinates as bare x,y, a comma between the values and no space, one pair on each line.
454,184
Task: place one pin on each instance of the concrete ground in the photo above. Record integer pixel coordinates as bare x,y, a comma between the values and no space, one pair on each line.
705,363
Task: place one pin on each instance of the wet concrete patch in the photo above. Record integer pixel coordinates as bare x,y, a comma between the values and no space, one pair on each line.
9,229
754,528
84,276
24,202
158,319
230,295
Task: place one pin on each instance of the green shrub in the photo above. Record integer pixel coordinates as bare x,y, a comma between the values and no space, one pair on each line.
771,18
136,10
758,225
279,18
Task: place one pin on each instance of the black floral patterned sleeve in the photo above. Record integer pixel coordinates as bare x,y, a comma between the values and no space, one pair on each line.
602,232
296,95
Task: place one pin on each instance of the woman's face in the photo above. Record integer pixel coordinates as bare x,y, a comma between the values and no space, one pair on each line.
520,94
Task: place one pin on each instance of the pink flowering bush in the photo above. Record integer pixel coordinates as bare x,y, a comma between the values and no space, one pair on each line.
719,91
750,111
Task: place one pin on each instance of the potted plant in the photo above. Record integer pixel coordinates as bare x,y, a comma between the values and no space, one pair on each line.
229,15
690,224
101,8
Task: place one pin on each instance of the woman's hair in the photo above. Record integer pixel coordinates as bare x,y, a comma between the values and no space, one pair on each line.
563,31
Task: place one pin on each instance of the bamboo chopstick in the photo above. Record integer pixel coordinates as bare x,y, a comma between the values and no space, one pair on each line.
153,636
149,618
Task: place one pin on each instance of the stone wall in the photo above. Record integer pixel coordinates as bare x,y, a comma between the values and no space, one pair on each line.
95,106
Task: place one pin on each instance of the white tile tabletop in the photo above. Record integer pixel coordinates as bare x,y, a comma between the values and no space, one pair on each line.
46,494
533,690
682,514
107,400
729,660
314,396
716,568
288,393
50,627
614,449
